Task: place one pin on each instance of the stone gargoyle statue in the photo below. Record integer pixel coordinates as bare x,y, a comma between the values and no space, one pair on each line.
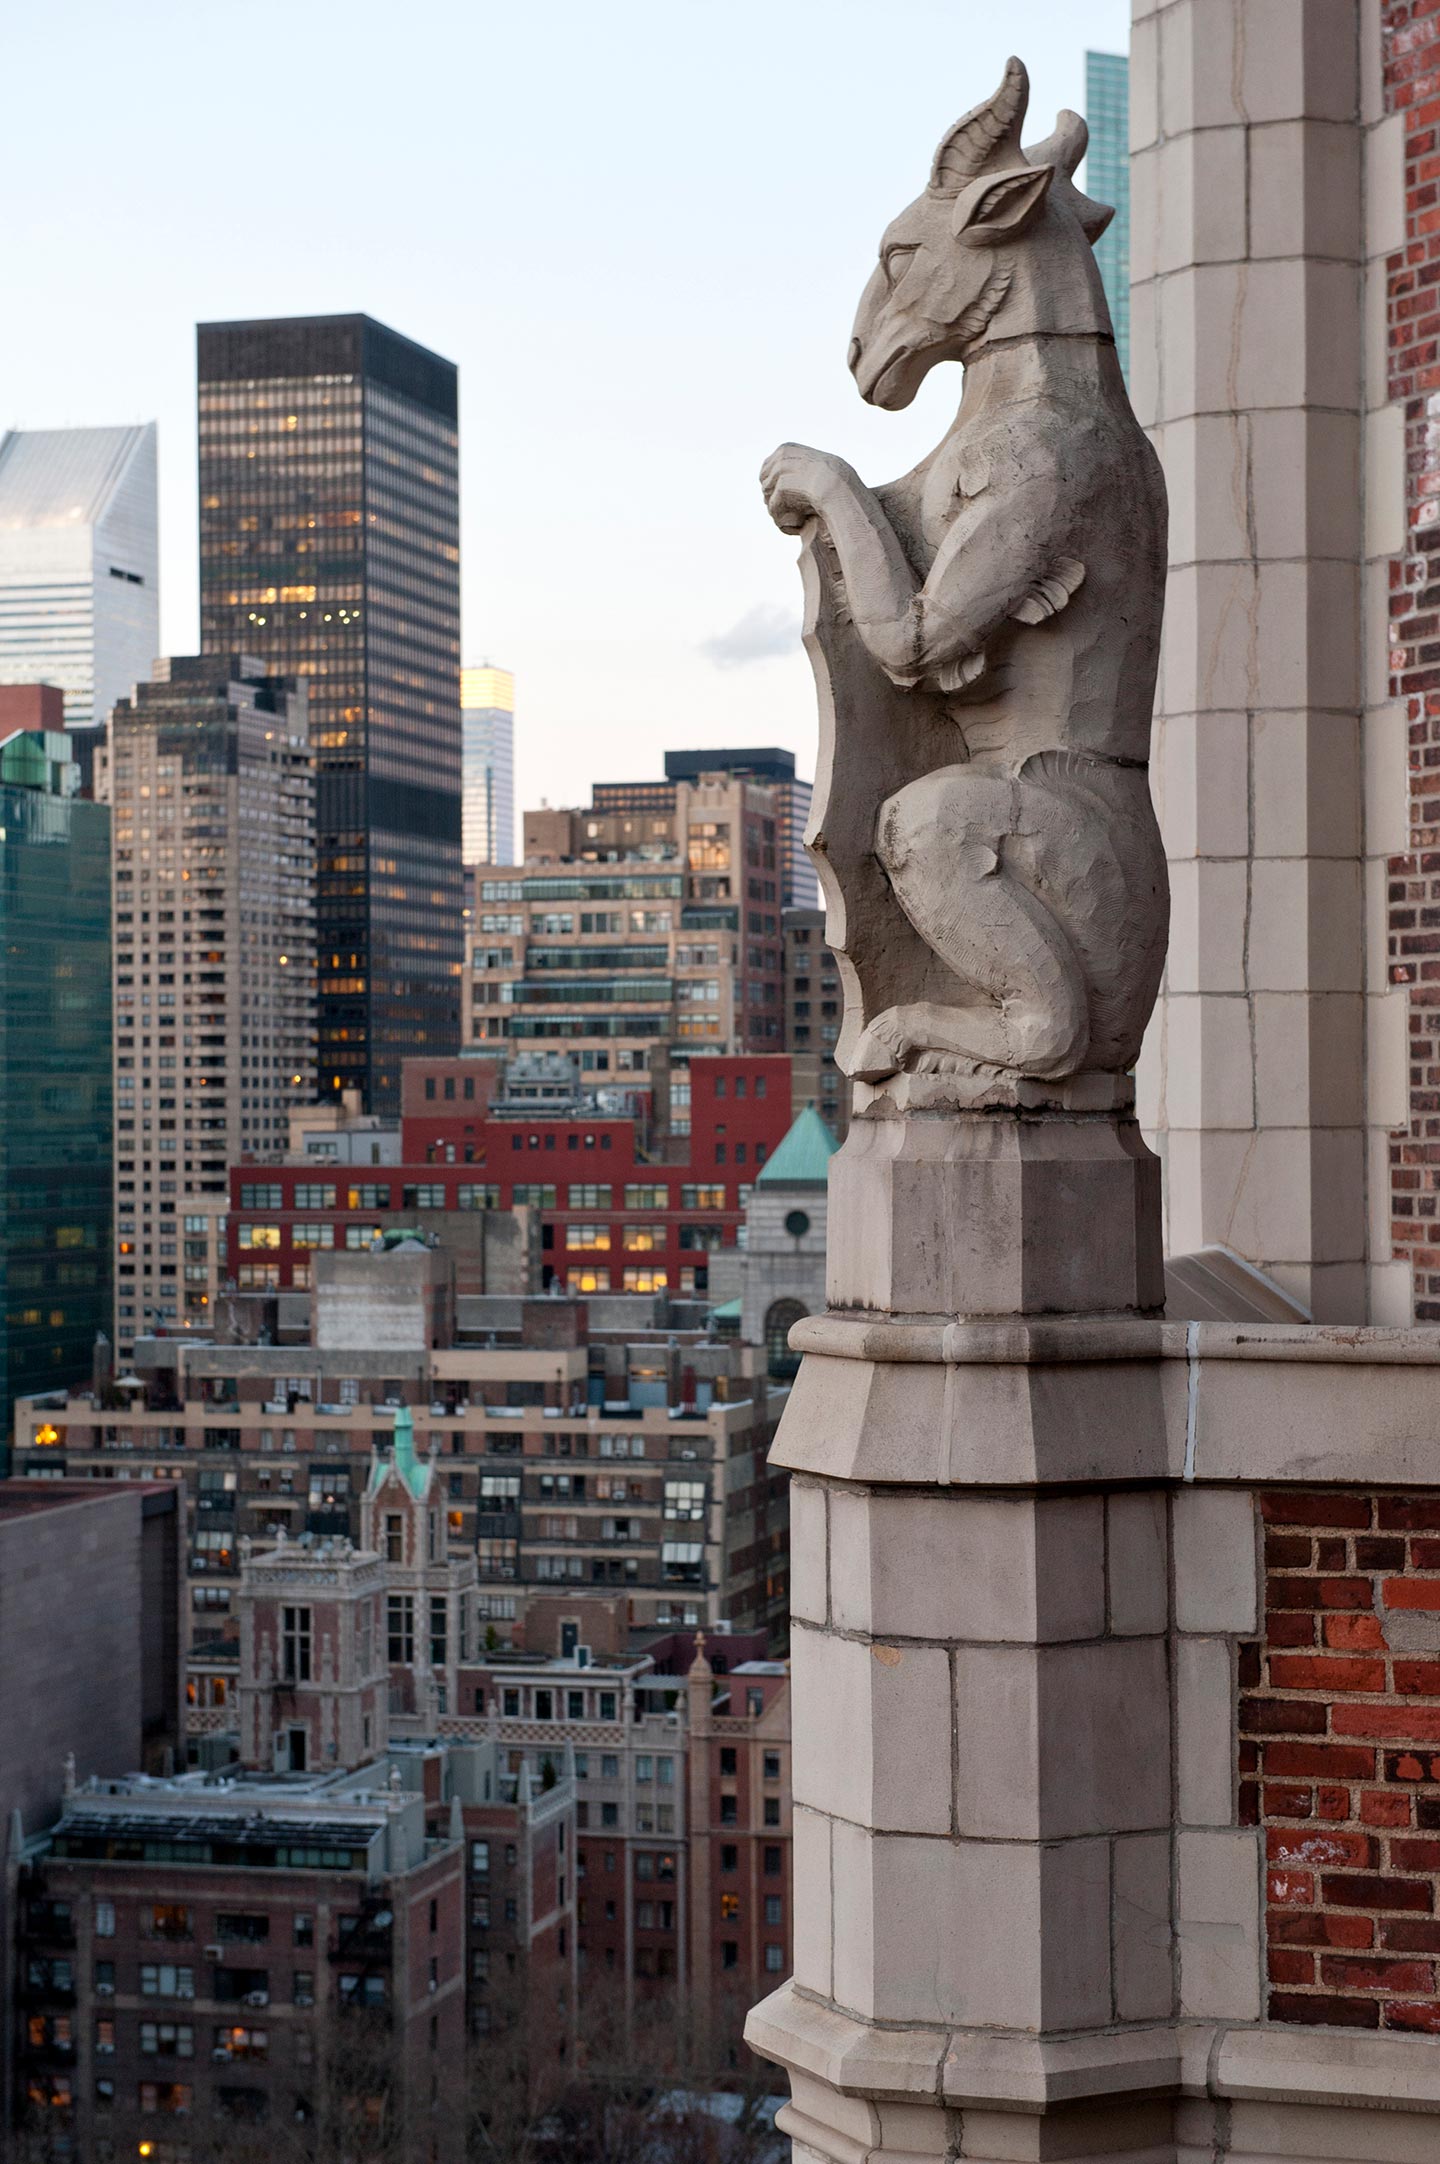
985,635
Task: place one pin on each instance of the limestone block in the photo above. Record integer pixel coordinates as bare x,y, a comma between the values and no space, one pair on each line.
1201,792
1218,1924
1386,780
1384,153
1299,57
1200,199
1144,82
967,1566
965,1215
872,1731
1385,482
1137,1562
1207,469
1205,1731
1145,353
1216,1579
1141,1928
1000,1934
1207,926
1387,1047
1390,1295
1209,1066
1375,593
1338,1291
1306,785
1337,1156
1305,188
809,1566
1309,1068
1197,66
1284,333
1057,1741
812,1877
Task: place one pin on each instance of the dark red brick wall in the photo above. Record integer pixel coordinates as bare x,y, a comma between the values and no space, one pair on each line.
1411,64
1340,1757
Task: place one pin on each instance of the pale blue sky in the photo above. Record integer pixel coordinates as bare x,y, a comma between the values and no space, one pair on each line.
640,230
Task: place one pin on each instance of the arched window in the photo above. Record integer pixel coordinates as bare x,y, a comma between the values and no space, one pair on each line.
781,1361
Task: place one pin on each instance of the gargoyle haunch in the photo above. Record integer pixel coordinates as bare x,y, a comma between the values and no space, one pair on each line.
985,634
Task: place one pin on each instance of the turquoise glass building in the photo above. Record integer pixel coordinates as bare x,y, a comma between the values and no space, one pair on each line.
1107,178
55,1075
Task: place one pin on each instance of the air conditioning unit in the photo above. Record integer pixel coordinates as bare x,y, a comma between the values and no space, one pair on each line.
104,1991
257,1998
221,2055
215,1953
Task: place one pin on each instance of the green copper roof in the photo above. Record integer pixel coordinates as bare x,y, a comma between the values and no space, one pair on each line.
803,1158
728,1311
407,1465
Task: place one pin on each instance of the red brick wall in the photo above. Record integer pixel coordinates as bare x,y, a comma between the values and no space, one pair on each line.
1340,1757
1411,61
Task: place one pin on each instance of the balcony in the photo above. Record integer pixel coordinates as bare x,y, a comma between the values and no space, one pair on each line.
50,1925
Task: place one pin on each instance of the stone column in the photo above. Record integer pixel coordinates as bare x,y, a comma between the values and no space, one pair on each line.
981,1689
1265,193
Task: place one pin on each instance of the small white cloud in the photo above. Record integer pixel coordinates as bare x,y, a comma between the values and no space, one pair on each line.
762,634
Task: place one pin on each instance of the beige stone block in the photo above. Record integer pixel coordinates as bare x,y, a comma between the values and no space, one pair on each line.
1144,353
1299,58
1308,1059
1199,779
812,1900
1307,650
1197,66
1305,189
1205,1731
1199,197
1207,473
963,1566
1144,211
1339,1290
1385,481
1058,1741
1377,925
1207,926
1305,484
1144,84
1306,919
1150,1080
1387,780
872,1731
1375,609
809,1567
1213,1532
1387,1060
1377,1195
1218,1925
1372,63
1391,1295
1337,918
938,1931
1384,157
1375,335
1328,2131
1137,1562
1209,1062
1141,1928
1338,1220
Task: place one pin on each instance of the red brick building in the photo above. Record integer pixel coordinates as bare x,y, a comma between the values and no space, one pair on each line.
617,1215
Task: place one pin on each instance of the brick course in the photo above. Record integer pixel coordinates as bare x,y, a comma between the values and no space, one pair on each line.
1411,72
1340,1757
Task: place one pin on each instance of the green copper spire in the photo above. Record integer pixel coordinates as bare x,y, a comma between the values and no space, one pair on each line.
411,1471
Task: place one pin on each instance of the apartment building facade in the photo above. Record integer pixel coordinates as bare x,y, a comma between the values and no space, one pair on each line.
207,772
624,930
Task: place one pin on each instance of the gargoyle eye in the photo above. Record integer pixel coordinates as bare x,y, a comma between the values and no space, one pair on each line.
896,261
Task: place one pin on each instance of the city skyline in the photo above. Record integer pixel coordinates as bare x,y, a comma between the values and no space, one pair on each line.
579,560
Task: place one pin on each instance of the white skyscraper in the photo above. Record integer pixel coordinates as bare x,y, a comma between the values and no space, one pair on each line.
487,716
79,563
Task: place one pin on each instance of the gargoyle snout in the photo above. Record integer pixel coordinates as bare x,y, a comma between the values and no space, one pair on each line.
852,358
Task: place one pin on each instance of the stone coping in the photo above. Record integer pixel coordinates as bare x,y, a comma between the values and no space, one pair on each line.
1084,1339
1002,2070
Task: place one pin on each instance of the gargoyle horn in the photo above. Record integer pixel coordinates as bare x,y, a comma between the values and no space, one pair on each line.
986,137
1064,150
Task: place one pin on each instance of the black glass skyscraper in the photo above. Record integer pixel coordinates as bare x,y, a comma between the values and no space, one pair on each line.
330,549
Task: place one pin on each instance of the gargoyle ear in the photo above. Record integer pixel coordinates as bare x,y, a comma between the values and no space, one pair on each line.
999,206
1065,147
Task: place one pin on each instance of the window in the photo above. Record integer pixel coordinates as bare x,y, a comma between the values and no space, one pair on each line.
590,1195
295,1645
169,1920
162,1980
469,1197
532,1197
262,1197
314,1197
729,1907
303,1929
772,1765
684,1498
168,2096
780,1318
428,1196
774,1959
772,1810
400,1625
480,1858
646,1197
584,1237
259,1236
368,1197
104,1919
646,1279
314,1234
773,1863
167,2040
360,1237
729,1954
247,1927
702,1198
